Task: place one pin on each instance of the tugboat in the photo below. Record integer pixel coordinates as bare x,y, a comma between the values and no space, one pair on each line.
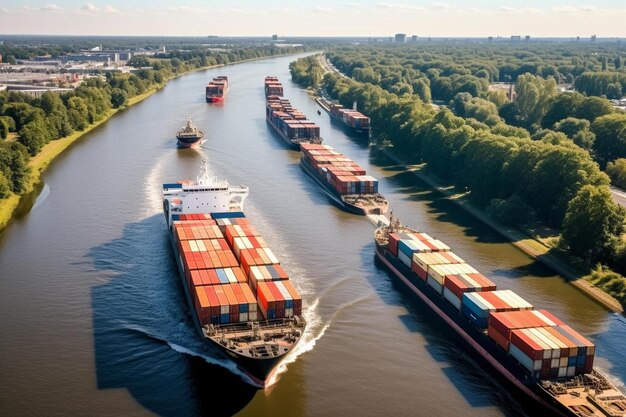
189,136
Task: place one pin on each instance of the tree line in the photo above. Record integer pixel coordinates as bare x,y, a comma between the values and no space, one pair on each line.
516,175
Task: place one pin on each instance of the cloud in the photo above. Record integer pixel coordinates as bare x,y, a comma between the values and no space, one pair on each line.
90,8
575,9
50,7
111,10
322,9
186,9
439,5
247,11
400,7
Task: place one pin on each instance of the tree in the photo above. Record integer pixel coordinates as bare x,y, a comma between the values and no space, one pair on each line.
118,98
497,97
593,224
610,143
5,186
591,108
562,106
616,170
534,95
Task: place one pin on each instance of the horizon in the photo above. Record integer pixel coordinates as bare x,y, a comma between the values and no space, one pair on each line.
323,18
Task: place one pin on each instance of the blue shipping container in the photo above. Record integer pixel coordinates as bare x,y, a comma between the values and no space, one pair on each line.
227,215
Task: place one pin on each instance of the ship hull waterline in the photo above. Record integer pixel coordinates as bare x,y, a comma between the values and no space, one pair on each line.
533,394
285,138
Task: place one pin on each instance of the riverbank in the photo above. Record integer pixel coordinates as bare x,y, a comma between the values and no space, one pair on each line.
51,150
527,244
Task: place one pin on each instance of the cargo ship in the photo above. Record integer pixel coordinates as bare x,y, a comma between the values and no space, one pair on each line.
189,136
350,118
534,352
216,90
273,87
290,123
240,298
345,182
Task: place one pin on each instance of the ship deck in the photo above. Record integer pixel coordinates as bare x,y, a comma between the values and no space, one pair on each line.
257,340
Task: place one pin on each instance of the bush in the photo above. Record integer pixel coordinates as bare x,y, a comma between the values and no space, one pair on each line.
5,186
609,281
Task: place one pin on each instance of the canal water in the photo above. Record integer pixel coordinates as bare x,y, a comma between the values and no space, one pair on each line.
94,321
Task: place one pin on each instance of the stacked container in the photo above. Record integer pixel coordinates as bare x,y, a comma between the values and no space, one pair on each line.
260,266
217,87
455,286
352,118
217,285
344,175
278,299
476,306
273,87
289,120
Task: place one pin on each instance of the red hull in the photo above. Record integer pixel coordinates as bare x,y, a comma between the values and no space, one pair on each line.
214,99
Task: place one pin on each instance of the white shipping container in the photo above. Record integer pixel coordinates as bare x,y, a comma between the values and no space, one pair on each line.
452,299
243,317
224,309
562,372
434,285
284,291
521,357
571,370
270,255
404,259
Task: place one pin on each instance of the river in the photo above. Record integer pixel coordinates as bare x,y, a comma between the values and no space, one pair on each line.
93,320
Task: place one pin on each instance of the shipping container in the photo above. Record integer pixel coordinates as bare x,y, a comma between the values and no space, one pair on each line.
476,306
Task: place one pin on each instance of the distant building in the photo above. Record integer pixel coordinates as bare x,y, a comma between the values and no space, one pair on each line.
413,38
593,38
527,38
400,37
274,37
516,38
490,39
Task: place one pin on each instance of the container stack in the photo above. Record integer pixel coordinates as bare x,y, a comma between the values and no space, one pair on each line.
352,118
542,343
217,86
217,285
477,306
289,120
273,87
276,296
343,174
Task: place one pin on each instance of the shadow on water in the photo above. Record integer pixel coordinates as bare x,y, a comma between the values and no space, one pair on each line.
144,338
476,386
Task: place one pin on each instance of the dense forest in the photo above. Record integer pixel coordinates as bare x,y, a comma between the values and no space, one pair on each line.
35,121
535,159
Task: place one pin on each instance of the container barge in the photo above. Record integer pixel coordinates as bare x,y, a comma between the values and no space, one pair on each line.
273,87
534,352
189,136
240,298
345,182
352,119
216,90
290,123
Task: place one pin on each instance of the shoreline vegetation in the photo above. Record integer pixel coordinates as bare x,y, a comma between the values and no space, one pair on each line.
591,285
40,162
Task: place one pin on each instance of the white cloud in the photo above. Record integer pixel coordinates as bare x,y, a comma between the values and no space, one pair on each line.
186,9
111,10
575,9
90,8
323,9
50,7
440,5
401,7
352,4
247,11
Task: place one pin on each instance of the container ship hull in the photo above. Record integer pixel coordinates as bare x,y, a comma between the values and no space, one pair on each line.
215,99
336,197
485,350
258,370
293,143
337,120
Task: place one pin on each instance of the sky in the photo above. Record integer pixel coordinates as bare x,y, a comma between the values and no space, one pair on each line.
425,18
